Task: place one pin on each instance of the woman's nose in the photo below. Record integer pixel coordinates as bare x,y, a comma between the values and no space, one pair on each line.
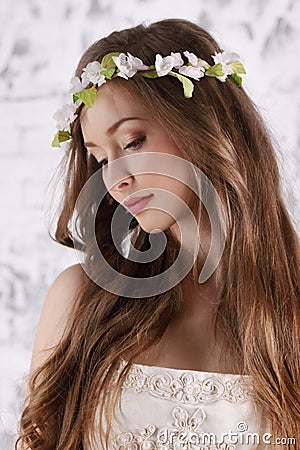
117,175
123,184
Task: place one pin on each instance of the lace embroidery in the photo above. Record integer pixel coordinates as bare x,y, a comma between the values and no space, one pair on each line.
187,387
183,434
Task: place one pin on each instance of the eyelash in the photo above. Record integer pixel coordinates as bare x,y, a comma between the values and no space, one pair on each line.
131,144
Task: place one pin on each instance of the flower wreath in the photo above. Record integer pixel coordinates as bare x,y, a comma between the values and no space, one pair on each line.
126,66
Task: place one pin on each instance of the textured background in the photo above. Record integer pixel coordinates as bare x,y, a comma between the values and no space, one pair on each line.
40,44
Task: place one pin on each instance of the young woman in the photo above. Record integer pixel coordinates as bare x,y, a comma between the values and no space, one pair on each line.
144,345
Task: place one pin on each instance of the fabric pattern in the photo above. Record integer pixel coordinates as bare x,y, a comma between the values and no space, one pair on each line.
177,409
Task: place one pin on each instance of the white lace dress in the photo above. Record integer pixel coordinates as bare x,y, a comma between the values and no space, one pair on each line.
165,408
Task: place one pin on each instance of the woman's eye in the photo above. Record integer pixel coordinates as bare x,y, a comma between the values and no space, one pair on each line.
133,144
136,143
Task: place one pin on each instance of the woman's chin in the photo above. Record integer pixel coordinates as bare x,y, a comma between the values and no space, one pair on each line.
152,221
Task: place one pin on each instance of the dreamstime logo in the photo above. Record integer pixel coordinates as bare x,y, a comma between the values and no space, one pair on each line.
163,164
185,438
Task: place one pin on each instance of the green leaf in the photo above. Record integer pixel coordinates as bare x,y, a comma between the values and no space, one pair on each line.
55,142
88,96
215,71
61,136
149,74
107,61
108,73
76,100
236,78
237,67
188,86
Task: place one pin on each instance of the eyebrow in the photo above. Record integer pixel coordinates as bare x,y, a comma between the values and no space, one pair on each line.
111,130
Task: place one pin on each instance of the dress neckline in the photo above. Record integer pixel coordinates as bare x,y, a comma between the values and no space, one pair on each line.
192,371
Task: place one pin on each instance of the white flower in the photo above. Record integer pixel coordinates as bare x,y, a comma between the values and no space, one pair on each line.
192,72
121,62
195,69
164,65
193,60
177,60
136,63
101,80
128,65
65,116
225,59
92,73
76,85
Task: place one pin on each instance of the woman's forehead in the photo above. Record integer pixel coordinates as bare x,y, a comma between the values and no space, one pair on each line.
112,100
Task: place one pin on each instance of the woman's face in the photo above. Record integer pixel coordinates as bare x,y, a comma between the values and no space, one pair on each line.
118,125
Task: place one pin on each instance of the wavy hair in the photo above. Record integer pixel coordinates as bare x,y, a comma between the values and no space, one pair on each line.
221,131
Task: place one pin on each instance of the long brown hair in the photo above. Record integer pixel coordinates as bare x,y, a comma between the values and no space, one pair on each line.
220,130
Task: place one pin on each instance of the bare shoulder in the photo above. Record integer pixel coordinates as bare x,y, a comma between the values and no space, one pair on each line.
62,291
67,282
55,312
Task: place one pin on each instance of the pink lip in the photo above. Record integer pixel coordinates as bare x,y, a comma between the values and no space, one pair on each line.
135,204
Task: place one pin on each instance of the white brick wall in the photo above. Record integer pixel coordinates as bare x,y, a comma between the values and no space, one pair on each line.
40,44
